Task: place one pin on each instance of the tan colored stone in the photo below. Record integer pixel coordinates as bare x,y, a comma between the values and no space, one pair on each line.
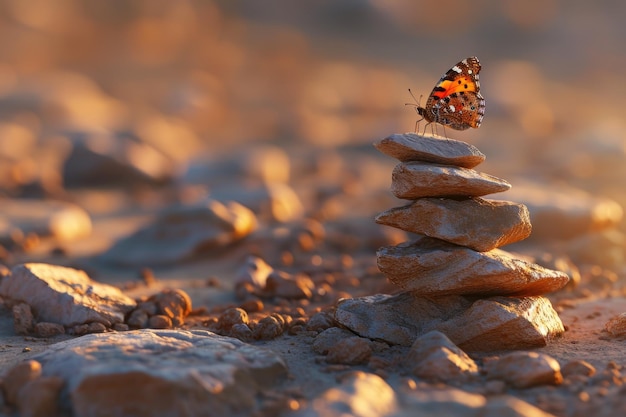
23,320
578,367
561,212
64,295
411,147
282,284
59,219
115,160
435,358
230,317
440,400
358,394
320,321
413,180
510,406
328,338
268,328
475,223
435,268
138,319
17,377
47,329
496,323
253,271
173,303
160,321
40,397
184,233
616,326
352,350
507,322
270,202
162,372
525,369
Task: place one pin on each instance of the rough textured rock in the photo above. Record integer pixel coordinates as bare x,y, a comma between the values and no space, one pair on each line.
525,369
475,223
578,367
433,401
256,163
195,373
496,323
17,377
39,397
282,284
271,202
509,406
268,328
600,248
455,260
413,180
253,271
172,303
328,338
434,357
65,296
616,326
506,322
359,394
352,350
230,318
47,329
23,320
564,213
411,147
115,159
434,267
183,233
58,219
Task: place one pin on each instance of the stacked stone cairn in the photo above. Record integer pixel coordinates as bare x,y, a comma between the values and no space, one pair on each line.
453,277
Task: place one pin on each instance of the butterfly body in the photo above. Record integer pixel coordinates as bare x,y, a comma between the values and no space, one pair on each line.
456,101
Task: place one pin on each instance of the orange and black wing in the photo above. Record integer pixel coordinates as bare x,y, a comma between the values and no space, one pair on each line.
456,100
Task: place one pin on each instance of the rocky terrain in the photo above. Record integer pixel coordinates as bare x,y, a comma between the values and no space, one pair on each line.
206,210
256,307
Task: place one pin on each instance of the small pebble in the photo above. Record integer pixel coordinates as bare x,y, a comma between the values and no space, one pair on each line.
320,321
252,305
160,321
350,351
267,328
241,331
231,317
45,329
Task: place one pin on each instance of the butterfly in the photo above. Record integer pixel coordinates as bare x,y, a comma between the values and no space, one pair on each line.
456,101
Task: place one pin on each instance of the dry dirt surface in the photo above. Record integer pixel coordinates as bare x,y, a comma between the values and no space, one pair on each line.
205,211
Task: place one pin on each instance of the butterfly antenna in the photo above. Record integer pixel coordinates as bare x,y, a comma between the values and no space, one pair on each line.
416,105
414,99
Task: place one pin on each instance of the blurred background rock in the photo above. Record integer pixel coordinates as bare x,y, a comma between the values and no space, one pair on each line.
149,88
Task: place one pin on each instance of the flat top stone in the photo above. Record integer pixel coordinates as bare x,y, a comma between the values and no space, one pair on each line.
59,219
476,223
564,212
64,295
194,373
181,233
413,180
433,267
492,324
411,147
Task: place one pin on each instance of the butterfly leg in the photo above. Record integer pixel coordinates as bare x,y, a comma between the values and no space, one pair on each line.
433,129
